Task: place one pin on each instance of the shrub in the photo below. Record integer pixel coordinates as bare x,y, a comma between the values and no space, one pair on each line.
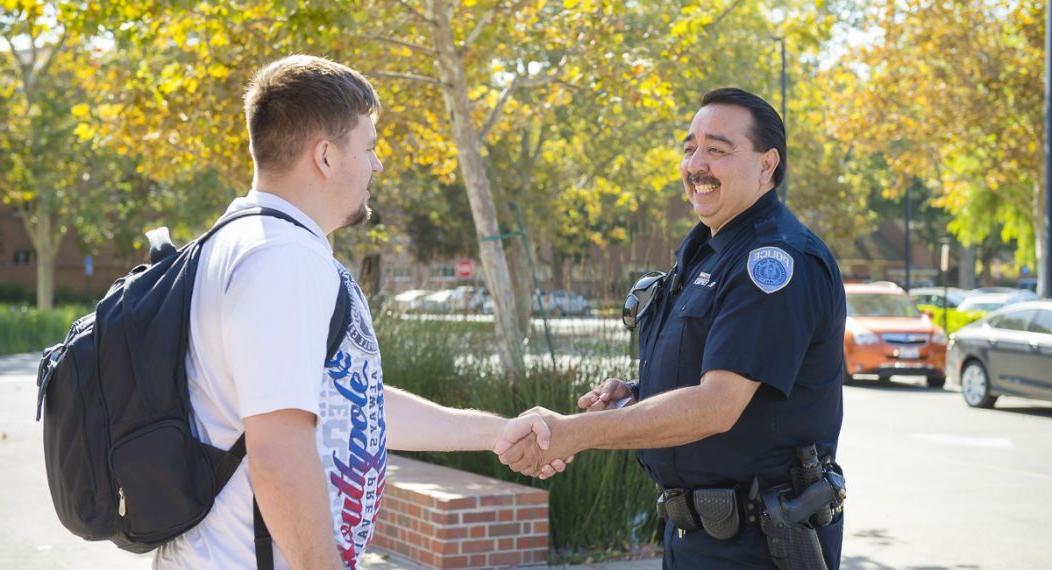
954,319
23,329
604,501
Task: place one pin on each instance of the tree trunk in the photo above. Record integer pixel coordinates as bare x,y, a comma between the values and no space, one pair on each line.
522,281
40,225
480,196
966,274
370,277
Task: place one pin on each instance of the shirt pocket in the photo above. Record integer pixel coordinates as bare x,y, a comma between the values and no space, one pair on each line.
694,315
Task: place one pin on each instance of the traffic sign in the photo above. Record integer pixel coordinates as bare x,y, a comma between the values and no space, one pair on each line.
464,268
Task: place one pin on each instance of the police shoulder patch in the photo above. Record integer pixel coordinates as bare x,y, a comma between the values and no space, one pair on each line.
770,268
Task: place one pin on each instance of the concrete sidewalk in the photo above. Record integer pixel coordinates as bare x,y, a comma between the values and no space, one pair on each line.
384,561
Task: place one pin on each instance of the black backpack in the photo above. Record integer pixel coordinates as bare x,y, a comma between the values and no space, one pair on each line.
122,462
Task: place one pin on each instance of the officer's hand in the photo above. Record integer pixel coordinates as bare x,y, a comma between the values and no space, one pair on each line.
528,458
606,395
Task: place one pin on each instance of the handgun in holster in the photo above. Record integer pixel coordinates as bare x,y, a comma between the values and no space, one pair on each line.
789,514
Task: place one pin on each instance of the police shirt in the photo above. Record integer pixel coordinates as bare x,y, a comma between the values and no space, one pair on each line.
763,299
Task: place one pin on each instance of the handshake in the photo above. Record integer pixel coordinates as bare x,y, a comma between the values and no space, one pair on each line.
540,442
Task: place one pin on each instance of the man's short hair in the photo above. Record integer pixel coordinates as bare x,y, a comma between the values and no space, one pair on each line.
767,131
298,97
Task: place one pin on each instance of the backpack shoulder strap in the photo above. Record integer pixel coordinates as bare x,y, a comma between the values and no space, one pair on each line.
247,212
341,319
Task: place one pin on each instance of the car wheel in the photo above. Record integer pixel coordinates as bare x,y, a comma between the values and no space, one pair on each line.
936,381
975,386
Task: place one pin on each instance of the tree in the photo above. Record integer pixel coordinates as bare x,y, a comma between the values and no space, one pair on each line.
50,172
464,63
947,94
573,110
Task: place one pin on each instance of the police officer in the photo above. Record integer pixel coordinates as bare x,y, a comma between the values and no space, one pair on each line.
741,352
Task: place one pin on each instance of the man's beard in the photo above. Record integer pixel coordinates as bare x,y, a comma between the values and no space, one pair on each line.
359,217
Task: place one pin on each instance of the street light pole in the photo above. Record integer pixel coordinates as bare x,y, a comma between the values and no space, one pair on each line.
944,267
785,119
1044,283
907,257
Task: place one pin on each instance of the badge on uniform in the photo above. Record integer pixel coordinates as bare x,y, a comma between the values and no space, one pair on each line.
770,268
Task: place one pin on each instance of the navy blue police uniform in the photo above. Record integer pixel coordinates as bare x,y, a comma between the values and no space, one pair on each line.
763,299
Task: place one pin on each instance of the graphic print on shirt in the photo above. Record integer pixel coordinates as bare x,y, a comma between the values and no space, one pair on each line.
353,436
361,327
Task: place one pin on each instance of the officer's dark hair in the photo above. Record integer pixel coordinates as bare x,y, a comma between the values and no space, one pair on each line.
767,131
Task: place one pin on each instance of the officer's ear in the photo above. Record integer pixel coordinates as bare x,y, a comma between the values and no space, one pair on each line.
769,161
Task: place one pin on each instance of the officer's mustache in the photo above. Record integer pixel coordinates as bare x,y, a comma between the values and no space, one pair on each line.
699,179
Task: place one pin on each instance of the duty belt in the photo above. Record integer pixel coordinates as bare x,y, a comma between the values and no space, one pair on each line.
787,514
717,511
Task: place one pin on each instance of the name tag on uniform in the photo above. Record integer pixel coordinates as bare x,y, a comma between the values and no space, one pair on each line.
705,280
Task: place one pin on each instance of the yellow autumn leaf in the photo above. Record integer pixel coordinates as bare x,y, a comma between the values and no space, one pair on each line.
218,71
81,110
84,132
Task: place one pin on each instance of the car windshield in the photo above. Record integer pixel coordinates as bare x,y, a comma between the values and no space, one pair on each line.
880,305
992,306
956,298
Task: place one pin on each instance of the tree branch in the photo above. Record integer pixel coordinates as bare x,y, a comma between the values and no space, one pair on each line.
480,25
405,76
388,40
725,13
54,53
519,81
416,13
495,113
11,49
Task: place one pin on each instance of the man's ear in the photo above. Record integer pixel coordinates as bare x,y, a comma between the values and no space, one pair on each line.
323,155
768,163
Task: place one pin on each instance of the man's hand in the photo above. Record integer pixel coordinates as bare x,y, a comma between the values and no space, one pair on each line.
528,458
529,430
606,395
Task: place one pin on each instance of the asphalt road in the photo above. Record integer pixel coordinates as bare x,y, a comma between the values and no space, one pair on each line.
932,483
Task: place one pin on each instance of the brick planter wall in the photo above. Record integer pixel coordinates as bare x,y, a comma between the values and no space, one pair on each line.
444,518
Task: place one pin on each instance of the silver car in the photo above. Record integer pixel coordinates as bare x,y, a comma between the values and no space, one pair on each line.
1008,352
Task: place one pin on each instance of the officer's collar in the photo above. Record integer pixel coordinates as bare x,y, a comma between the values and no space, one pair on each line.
701,235
743,220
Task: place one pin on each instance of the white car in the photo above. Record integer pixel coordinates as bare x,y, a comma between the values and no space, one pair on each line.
933,296
408,301
437,302
559,303
987,302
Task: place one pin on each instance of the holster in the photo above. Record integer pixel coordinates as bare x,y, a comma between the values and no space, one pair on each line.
793,544
714,510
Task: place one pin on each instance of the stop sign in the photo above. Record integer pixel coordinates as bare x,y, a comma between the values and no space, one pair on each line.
464,268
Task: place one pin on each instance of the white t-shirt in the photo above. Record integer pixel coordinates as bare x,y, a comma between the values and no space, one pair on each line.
263,297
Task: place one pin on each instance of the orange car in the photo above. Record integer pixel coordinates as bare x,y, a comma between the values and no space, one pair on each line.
887,335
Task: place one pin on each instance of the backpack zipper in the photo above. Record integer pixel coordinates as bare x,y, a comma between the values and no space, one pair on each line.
121,508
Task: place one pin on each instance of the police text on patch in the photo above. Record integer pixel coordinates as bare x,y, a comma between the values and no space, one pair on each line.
770,268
